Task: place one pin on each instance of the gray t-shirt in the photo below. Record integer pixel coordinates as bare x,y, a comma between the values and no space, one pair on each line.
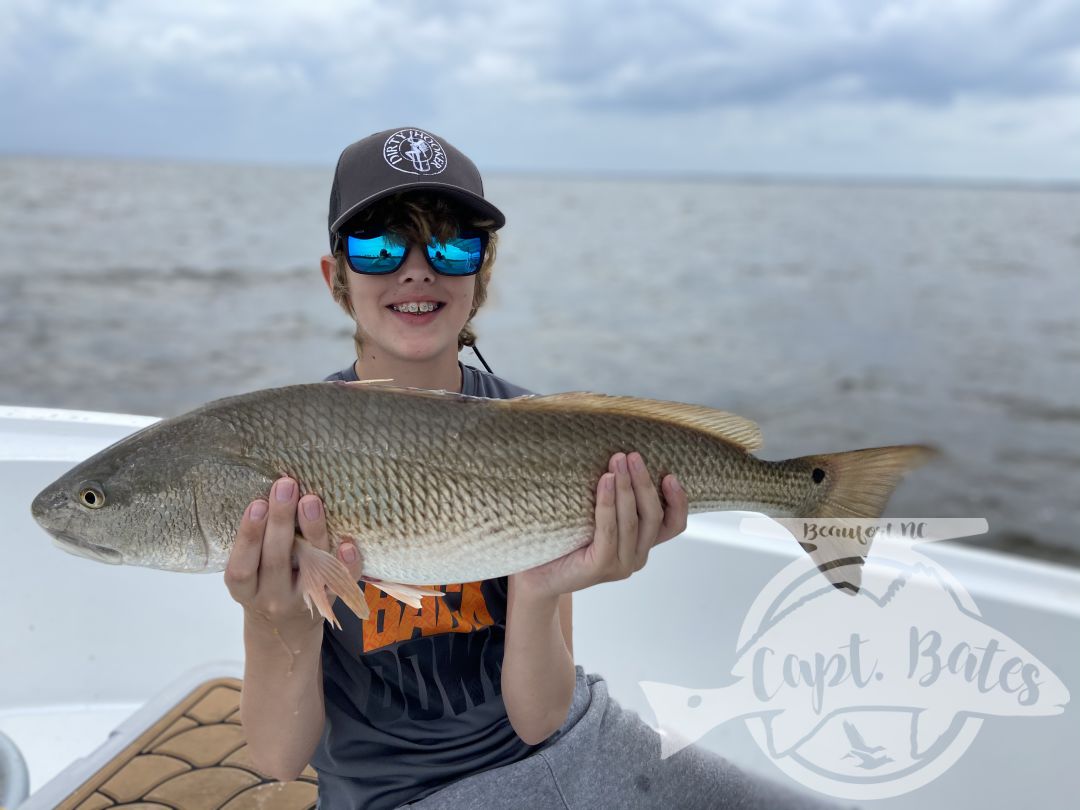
413,697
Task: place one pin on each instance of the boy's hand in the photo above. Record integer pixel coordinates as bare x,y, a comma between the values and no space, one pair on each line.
629,522
259,574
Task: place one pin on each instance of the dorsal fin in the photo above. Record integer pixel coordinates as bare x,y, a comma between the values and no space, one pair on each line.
723,425
727,426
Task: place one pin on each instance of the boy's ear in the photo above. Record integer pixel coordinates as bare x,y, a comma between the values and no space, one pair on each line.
328,264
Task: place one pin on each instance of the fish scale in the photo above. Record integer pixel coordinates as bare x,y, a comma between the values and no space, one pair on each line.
437,487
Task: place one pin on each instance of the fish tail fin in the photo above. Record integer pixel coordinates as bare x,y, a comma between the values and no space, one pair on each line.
860,484
322,574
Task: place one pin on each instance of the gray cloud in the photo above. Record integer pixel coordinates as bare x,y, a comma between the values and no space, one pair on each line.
674,55
690,56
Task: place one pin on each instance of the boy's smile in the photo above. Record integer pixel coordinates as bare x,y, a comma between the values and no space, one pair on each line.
416,312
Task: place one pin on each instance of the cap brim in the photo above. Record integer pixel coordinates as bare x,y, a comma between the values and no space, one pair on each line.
472,201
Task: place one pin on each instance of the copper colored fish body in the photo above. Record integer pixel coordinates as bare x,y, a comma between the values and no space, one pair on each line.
434,487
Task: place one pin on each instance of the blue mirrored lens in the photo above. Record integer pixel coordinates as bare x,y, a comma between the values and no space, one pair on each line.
458,257
377,254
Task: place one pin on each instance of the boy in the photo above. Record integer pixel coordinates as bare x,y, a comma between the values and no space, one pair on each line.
473,699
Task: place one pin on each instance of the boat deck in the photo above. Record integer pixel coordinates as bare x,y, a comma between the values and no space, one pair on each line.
193,757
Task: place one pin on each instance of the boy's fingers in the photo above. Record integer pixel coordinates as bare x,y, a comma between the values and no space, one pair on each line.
350,555
241,572
312,520
650,512
626,510
678,507
606,537
280,536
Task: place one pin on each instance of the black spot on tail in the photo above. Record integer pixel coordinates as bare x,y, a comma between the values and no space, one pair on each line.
818,475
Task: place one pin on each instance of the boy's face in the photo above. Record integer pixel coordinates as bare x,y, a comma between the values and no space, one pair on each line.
406,336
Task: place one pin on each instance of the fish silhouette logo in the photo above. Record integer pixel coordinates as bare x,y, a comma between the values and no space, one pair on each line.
871,696
414,151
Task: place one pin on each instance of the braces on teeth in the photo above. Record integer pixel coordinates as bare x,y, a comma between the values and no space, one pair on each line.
427,306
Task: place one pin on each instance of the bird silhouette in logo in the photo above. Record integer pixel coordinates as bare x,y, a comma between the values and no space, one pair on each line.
863,752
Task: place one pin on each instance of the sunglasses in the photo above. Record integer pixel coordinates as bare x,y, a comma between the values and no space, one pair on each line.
375,252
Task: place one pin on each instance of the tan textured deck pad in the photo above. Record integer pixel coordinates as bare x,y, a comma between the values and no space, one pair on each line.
193,758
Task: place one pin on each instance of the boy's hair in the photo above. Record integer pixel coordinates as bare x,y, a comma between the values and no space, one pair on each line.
416,217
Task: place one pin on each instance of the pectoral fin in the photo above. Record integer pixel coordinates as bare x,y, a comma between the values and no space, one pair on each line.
321,575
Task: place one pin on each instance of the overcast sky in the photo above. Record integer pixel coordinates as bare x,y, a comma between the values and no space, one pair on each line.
928,88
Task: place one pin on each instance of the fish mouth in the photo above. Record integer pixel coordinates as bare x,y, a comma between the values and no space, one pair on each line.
82,548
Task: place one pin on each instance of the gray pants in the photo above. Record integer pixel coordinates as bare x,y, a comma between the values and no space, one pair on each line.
605,756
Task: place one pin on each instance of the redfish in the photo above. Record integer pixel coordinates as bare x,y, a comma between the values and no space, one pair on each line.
436,487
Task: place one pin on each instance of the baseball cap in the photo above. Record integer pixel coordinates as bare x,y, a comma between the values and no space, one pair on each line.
403,159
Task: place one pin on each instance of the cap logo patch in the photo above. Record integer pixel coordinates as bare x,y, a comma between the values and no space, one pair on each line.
414,151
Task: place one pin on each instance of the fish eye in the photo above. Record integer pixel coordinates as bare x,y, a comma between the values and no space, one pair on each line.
91,496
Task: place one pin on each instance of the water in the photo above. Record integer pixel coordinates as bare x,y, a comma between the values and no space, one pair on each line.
836,316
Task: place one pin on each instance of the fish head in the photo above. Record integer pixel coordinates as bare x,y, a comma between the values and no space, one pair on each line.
134,502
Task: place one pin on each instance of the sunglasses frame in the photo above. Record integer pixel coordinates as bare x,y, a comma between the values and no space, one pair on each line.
465,233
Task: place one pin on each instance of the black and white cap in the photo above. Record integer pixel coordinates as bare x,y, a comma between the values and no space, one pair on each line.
403,160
